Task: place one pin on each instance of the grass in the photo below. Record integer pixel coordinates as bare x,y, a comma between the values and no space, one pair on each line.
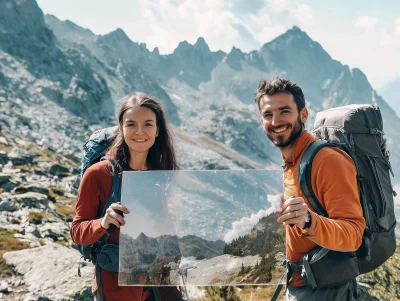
35,217
56,193
9,243
67,212
5,148
24,168
385,280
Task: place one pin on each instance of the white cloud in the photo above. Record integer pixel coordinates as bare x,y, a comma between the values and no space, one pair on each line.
301,14
305,15
367,23
279,5
397,26
243,226
164,24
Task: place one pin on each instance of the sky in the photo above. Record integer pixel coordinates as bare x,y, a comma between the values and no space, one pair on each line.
359,33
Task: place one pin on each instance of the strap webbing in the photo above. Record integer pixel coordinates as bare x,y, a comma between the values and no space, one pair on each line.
115,189
156,293
278,289
305,174
99,294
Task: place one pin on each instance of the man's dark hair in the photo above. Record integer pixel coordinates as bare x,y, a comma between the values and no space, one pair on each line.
280,85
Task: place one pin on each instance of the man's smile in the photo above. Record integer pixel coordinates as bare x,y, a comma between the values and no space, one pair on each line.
280,130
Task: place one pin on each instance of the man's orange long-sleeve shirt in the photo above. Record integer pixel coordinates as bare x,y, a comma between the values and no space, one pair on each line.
334,183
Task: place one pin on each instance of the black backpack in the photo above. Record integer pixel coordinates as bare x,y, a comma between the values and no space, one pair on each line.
358,130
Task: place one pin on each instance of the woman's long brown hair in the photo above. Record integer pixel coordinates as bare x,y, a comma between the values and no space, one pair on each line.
161,155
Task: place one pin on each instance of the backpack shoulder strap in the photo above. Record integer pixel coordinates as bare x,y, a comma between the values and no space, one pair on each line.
305,174
115,193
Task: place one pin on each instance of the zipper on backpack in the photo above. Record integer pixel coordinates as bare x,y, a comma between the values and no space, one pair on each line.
366,206
373,167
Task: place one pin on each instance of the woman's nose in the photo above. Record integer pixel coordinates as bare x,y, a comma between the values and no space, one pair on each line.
139,130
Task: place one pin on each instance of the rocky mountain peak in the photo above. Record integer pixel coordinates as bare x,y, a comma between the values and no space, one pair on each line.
294,37
234,57
119,36
23,18
201,45
65,30
156,51
182,47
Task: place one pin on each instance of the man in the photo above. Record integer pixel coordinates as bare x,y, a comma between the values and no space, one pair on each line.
283,114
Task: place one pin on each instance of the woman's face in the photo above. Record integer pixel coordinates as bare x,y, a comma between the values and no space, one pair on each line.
139,129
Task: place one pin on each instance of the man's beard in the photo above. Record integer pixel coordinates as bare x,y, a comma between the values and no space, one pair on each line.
296,132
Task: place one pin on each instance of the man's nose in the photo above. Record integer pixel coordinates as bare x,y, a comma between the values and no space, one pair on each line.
275,120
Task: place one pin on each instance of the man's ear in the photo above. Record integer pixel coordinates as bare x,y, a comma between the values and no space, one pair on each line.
303,115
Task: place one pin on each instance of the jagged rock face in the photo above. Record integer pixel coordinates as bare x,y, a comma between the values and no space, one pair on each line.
117,45
194,64
25,36
234,57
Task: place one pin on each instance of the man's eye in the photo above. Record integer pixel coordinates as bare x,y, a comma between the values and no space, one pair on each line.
267,115
285,112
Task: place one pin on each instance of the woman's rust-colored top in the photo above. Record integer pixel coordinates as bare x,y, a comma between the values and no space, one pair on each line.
335,186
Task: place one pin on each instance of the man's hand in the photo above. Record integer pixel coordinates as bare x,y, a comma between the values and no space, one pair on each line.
112,217
293,212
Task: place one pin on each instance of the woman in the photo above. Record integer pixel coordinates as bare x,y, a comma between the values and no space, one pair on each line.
143,142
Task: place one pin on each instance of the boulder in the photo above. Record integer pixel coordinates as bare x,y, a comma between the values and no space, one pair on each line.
50,272
31,199
4,178
31,188
3,157
57,169
29,238
19,156
54,230
6,205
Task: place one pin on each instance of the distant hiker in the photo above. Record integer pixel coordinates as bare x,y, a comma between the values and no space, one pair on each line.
142,142
283,113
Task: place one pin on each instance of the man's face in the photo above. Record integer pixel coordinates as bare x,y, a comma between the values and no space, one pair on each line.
281,120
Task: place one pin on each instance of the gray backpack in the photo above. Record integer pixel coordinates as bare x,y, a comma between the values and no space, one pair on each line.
358,130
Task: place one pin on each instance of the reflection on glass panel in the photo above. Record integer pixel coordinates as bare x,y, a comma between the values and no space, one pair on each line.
201,228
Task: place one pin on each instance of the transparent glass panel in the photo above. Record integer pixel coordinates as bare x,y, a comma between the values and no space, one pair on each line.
201,228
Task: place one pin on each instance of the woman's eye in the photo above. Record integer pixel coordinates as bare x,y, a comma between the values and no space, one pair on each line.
149,124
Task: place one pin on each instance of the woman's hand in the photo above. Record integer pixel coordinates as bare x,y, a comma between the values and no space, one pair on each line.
112,217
